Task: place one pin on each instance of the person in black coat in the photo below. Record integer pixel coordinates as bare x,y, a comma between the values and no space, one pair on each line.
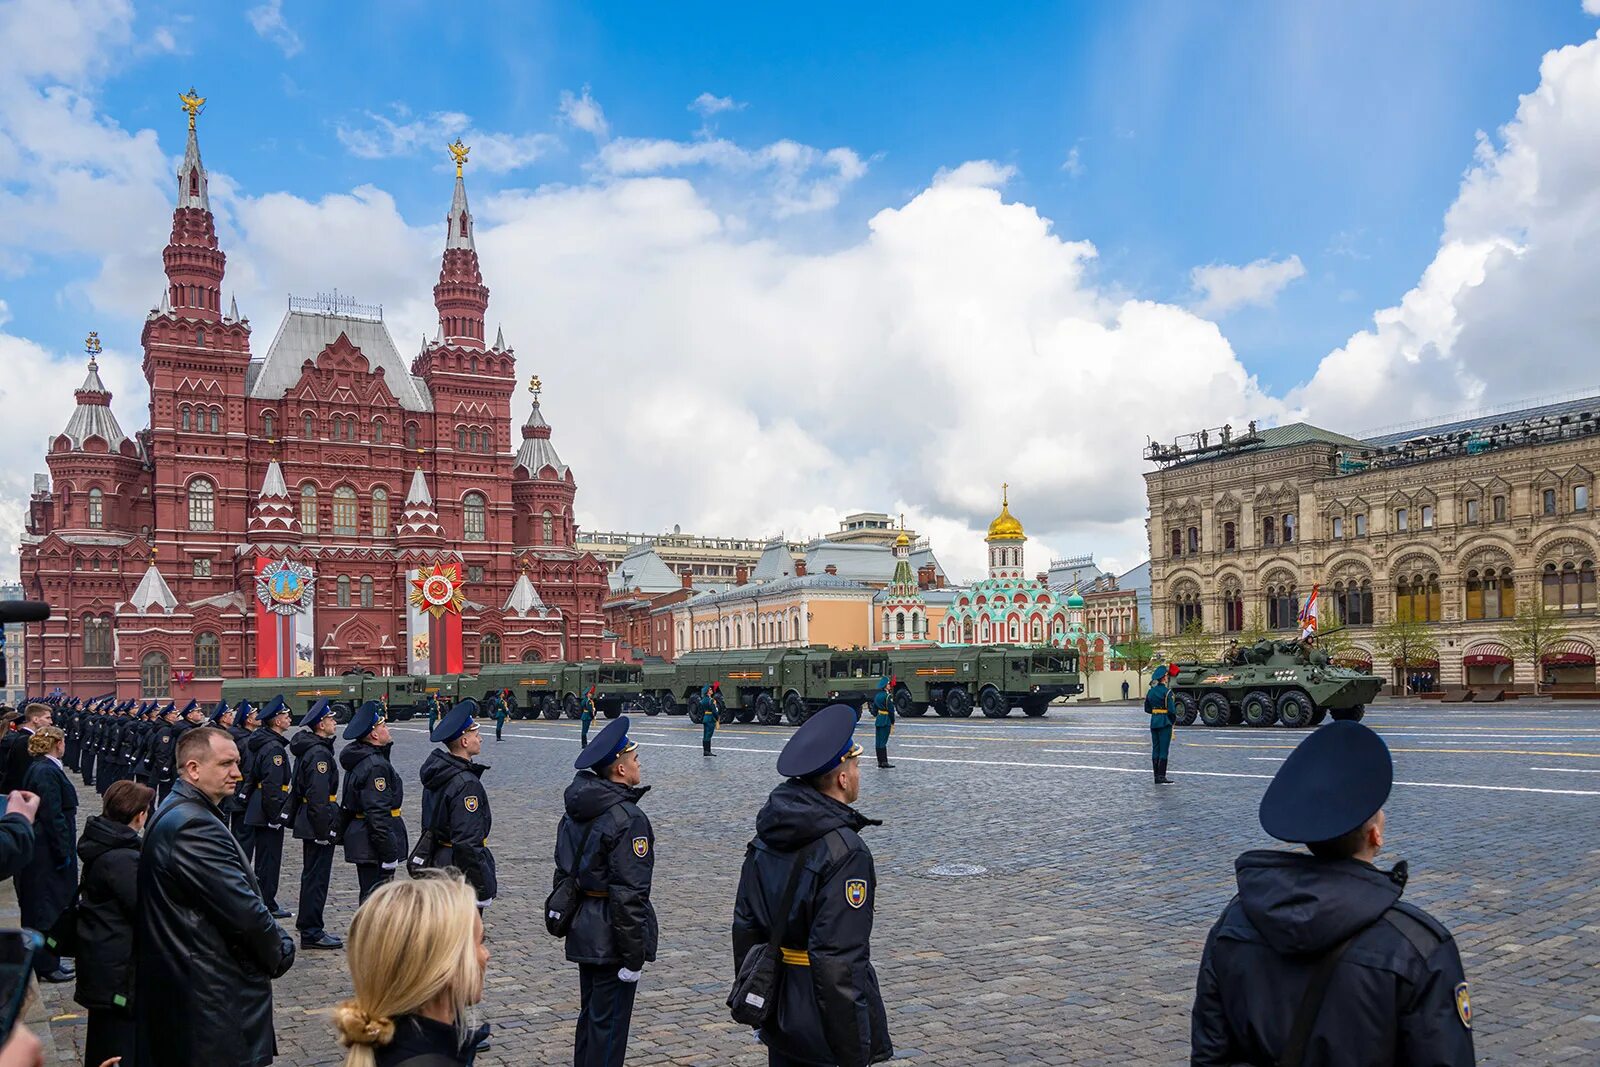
15,745
372,806
269,801
163,751
832,1011
246,724
16,832
314,815
1392,987
606,843
205,947
455,803
108,898
46,885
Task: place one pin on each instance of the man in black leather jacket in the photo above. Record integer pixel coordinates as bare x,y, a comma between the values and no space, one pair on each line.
456,804
206,949
1394,991
607,843
829,1009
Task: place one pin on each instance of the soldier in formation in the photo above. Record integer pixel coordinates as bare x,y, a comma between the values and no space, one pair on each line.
883,719
247,723
314,819
268,806
375,838
455,805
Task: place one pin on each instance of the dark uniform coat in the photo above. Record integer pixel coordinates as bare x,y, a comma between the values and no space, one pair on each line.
16,844
46,885
615,924
163,754
314,791
205,948
269,781
14,746
833,1013
459,815
375,829
1397,996
107,903
235,804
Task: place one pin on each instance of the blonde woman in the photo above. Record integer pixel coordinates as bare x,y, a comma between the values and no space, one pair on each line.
417,959
46,885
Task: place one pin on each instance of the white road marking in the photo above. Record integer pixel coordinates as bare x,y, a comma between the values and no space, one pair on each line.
1566,770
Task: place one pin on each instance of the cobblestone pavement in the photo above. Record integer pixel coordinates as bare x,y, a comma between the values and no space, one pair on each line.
1078,942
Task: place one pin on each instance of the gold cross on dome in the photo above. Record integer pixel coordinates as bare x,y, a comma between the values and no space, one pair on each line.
534,385
192,104
1005,488
458,152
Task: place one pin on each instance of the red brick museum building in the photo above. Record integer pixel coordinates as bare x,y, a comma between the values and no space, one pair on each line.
282,511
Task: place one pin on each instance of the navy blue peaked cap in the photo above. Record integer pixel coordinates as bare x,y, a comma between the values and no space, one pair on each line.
362,722
607,745
820,743
1332,783
316,714
455,722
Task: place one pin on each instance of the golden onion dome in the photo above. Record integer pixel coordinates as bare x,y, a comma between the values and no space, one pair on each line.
1005,526
902,541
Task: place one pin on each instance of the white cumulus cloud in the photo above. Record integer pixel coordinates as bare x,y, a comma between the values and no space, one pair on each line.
270,25
1221,287
708,104
583,112
381,137
799,178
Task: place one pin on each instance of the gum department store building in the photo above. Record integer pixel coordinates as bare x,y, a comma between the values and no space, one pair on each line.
1454,524
330,454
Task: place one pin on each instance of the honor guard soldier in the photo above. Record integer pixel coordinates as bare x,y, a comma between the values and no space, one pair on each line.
605,844
70,721
164,751
502,712
314,815
710,700
1317,961
86,745
375,837
193,715
1158,704
246,724
456,806
808,852
586,716
269,800
433,710
883,719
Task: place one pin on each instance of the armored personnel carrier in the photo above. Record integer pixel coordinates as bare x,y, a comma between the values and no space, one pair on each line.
1271,682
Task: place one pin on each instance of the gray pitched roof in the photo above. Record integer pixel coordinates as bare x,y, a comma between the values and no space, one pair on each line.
537,452
862,562
644,570
153,591
1076,573
1483,422
303,335
459,236
775,562
94,420
922,556
750,591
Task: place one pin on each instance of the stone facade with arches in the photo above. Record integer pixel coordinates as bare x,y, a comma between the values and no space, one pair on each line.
1458,541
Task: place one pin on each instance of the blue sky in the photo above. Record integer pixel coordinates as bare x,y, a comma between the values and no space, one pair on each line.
894,255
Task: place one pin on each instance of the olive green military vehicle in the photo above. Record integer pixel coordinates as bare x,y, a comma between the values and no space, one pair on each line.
552,690
1272,682
995,679
405,693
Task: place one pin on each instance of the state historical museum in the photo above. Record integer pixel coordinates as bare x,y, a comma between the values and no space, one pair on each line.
322,508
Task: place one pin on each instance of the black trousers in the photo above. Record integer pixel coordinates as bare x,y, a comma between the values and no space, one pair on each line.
245,835
163,789
269,863
110,1034
369,876
315,870
603,1019
88,777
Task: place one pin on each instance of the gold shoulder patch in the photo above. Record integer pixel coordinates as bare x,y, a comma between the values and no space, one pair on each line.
1464,1005
471,803
277,761
641,847
322,766
379,784
855,892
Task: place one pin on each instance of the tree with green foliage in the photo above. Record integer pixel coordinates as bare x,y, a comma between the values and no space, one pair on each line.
1405,643
1136,650
1192,644
1332,637
1532,632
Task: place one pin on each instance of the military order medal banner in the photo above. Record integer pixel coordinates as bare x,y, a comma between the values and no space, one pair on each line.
285,619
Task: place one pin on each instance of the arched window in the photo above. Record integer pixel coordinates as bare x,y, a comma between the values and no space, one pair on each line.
461,438
547,526
1038,631
1269,531
1353,599
1194,539
200,331
207,655
269,424
308,508
1177,543
1283,606
900,624
155,676
1427,516
411,435
1288,529
185,417
531,655
473,521
1491,594
202,505
1230,536
489,649
377,431
1569,587
1417,598
342,591
97,643
366,591
216,420
1232,611
1338,528
380,512
309,427
344,512
1549,501
97,513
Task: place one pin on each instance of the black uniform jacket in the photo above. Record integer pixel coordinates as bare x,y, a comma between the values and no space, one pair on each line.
1397,996
434,763
14,748
374,829
269,781
314,792
460,819
46,885
615,924
107,902
16,844
205,948
242,738
829,1010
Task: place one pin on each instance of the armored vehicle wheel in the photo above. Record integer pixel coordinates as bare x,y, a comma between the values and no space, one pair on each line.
766,709
1350,714
913,710
794,709
745,714
571,707
994,705
1259,710
1321,713
1186,711
341,713
695,714
1213,709
1295,709
957,704
550,707
1035,707
903,704
649,705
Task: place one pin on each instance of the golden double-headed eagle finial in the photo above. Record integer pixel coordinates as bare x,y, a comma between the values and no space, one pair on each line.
91,344
458,152
192,103
534,385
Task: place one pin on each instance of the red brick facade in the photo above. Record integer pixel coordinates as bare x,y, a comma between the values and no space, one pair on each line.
147,546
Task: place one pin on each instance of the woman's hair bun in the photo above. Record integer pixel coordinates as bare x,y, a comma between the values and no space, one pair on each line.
356,1027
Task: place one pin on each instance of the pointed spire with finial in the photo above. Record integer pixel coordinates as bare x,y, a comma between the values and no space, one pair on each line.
461,298
194,264
537,452
233,310
419,519
92,417
274,518
192,191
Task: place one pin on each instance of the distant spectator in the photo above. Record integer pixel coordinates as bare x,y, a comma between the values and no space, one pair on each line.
205,947
16,832
46,885
1124,689
107,903
15,745
417,960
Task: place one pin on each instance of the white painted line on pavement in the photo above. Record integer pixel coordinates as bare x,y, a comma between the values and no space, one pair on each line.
1566,770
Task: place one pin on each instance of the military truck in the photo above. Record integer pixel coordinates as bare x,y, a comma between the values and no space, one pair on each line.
404,693
552,690
1271,682
995,679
